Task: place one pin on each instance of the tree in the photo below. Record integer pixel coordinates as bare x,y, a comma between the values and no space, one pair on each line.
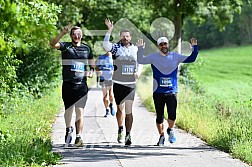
24,25
220,11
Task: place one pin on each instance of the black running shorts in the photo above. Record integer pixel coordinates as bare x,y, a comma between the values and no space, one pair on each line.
74,94
123,92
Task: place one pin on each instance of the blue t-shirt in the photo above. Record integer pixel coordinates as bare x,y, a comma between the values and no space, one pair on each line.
105,64
165,68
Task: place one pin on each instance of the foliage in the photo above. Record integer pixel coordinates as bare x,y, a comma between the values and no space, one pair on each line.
25,133
39,71
30,22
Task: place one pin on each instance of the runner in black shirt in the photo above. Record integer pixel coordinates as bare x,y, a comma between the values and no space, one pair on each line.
75,58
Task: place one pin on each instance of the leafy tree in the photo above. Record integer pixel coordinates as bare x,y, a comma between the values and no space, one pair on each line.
220,11
24,25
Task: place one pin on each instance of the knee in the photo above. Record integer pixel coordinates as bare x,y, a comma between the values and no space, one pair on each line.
105,98
159,120
172,117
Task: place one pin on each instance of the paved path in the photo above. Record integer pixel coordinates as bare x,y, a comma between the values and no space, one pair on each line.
102,150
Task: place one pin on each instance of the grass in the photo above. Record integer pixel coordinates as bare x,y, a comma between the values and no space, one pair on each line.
25,134
227,73
220,113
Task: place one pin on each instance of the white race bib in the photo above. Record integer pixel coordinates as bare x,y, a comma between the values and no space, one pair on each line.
77,66
165,82
128,69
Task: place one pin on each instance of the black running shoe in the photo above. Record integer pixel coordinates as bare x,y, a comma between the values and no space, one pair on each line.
128,140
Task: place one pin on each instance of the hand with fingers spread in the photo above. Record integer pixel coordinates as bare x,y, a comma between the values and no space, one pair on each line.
140,43
109,24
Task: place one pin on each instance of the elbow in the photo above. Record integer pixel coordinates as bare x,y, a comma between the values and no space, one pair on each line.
106,45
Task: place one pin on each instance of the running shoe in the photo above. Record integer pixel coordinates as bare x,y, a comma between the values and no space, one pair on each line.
161,140
128,140
78,142
120,137
172,138
68,136
112,111
107,113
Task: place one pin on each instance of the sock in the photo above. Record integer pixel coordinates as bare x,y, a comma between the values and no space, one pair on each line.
78,135
107,110
68,129
120,129
168,130
127,133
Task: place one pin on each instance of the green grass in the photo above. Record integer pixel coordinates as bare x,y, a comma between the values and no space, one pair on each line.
227,73
220,113
25,134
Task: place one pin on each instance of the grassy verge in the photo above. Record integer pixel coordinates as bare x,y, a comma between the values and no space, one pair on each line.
221,112
25,133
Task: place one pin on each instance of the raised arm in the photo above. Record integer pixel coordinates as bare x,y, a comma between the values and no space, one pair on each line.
194,53
141,59
55,41
106,44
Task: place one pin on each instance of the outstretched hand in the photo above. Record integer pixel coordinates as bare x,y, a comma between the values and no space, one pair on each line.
140,43
193,41
109,24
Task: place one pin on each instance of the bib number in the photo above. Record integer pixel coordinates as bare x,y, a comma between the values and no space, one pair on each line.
165,82
77,66
128,69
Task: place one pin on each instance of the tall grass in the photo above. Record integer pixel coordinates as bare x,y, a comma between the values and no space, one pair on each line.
25,132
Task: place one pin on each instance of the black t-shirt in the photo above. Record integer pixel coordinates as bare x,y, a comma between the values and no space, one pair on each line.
74,62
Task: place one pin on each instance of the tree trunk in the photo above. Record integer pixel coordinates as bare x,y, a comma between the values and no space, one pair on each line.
176,41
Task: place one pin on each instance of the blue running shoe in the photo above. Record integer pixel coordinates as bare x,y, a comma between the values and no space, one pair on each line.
112,111
172,138
161,140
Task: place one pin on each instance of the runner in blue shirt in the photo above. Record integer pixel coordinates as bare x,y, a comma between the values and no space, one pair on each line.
105,68
164,65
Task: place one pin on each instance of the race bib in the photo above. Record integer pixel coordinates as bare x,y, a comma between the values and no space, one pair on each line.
77,66
128,69
165,82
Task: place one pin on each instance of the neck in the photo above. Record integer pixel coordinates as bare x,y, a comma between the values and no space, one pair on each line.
128,45
163,54
76,44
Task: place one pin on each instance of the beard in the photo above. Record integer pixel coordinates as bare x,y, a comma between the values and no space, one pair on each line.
75,42
124,42
164,50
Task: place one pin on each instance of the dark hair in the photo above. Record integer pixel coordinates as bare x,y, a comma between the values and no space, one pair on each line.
74,28
125,30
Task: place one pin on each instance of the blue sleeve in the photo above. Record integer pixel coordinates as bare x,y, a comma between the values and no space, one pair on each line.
193,55
141,59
